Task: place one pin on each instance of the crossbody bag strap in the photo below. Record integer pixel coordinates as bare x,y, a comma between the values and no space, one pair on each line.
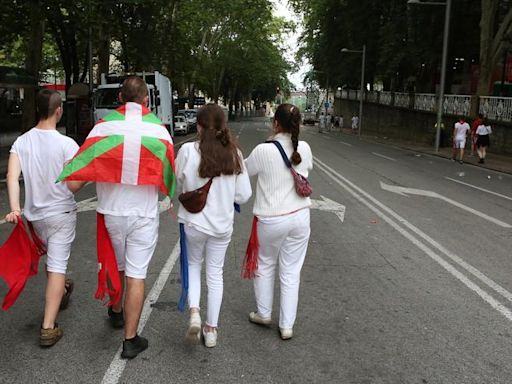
281,150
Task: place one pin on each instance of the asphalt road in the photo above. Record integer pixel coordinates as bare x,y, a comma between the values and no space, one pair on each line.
413,287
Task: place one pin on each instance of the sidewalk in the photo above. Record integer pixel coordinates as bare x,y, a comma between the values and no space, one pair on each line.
493,161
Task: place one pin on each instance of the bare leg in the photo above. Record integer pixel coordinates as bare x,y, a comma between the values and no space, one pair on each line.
133,303
54,292
461,154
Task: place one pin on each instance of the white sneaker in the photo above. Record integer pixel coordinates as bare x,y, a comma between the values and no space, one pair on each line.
194,328
210,338
286,333
254,317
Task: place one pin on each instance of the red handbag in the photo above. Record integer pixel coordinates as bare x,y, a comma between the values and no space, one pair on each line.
194,201
302,186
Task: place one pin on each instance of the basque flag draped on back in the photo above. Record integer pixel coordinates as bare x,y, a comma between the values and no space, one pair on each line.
128,146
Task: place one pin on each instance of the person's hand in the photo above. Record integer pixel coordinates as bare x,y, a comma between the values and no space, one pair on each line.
13,217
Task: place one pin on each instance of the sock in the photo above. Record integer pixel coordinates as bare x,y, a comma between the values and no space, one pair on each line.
135,338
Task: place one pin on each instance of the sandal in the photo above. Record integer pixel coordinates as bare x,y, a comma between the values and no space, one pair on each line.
68,286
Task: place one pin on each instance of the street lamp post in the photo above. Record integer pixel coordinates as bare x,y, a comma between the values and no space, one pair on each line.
361,95
444,59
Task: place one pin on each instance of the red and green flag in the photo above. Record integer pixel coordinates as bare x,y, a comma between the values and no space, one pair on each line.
128,146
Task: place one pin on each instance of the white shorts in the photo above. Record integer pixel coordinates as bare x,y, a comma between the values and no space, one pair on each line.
134,239
57,233
459,143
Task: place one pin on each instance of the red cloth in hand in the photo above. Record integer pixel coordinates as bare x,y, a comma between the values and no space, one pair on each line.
108,274
17,256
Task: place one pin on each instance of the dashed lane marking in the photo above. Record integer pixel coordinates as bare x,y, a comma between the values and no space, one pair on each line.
384,157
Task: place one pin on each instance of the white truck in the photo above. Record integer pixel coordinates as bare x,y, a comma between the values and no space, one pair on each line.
159,90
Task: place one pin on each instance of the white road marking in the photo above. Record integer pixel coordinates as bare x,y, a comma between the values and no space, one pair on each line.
358,194
344,143
479,188
421,192
384,157
118,365
329,205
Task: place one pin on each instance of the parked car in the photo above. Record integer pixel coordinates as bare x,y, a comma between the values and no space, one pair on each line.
181,124
309,117
191,115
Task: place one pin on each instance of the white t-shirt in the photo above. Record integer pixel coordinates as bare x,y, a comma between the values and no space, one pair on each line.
483,130
127,200
216,218
461,130
42,154
355,121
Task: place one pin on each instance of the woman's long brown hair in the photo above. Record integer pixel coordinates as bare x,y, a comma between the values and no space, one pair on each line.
219,152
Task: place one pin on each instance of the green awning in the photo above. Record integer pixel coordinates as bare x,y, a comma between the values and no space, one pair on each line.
11,77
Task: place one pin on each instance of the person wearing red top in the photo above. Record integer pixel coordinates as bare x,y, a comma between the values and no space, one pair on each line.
476,123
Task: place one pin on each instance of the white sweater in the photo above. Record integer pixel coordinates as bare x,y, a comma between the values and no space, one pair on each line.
216,218
275,189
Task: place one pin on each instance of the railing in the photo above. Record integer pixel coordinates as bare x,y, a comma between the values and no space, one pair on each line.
425,102
402,100
372,96
457,105
386,98
494,108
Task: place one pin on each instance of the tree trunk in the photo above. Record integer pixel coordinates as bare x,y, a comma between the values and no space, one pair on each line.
487,24
103,52
33,63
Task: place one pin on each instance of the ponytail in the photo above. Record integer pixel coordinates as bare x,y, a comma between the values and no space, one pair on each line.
288,117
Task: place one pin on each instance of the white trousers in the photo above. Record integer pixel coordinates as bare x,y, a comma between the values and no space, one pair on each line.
134,240
283,240
201,246
57,233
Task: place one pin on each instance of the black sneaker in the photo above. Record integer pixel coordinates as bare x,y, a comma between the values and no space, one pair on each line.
132,347
116,318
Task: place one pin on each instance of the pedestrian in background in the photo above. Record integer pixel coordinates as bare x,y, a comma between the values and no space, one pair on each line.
355,123
476,123
282,219
40,155
214,158
321,122
482,142
459,137
340,122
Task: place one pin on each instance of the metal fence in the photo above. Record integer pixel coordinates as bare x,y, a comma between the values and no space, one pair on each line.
494,108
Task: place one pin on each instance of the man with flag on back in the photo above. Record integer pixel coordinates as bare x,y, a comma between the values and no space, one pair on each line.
130,155
40,154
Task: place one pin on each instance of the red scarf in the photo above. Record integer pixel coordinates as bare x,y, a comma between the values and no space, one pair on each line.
250,265
108,275
19,260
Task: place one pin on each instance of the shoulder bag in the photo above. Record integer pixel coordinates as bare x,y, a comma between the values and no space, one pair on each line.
302,186
194,201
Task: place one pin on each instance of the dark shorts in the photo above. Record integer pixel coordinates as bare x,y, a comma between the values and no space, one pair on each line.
482,141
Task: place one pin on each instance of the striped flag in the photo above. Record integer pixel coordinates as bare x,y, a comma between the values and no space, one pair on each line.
128,146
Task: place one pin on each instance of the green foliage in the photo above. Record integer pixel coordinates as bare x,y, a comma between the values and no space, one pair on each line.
403,42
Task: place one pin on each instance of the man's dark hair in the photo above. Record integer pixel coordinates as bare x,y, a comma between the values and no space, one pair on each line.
47,102
134,89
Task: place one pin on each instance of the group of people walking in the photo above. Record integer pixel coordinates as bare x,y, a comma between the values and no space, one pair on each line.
479,138
128,210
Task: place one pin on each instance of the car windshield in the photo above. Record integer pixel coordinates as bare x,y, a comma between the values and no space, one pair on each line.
107,98
189,114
